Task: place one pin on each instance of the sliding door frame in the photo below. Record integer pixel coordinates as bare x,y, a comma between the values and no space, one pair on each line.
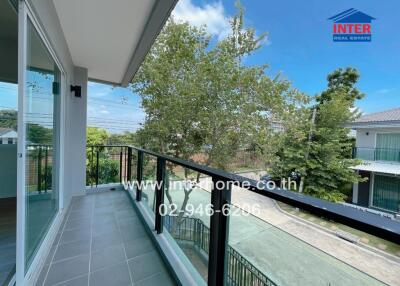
24,274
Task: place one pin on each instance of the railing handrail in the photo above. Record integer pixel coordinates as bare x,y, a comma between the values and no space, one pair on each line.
221,196
367,222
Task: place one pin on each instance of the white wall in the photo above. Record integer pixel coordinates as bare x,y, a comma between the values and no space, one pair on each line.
368,141
365,138
75,139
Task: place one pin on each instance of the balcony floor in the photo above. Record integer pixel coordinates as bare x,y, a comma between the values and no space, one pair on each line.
103,242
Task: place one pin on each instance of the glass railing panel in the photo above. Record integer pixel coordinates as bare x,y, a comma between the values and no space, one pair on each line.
365,154
187,212
378,154
276,244
387,155
107,164
149,181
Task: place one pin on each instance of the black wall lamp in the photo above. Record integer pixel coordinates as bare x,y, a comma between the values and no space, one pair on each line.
77,90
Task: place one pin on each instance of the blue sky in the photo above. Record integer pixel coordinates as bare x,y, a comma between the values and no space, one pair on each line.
299,47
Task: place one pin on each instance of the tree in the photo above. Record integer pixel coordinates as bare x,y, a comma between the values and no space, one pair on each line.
320,149
108,168
199,96
37,134
9,119
126,138
96,136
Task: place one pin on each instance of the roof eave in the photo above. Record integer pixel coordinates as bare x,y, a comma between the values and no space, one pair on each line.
374,124
159,15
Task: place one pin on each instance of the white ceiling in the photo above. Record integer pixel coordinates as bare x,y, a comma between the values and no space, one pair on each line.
102,35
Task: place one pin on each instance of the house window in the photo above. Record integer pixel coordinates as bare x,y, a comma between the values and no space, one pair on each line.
10,141
388,146
386,193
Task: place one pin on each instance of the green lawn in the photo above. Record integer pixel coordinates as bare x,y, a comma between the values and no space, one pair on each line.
366,238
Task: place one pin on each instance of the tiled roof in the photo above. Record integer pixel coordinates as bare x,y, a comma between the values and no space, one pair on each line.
383,116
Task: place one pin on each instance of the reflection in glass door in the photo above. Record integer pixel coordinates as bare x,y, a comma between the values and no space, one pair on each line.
41,123
8,138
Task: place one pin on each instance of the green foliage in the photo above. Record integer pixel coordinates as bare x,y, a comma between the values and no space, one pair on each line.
321,150
201,98
108,166
127,138
38,134
96,136
8,119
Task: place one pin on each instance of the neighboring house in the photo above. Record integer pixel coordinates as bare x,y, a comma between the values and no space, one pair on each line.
378,146
8,136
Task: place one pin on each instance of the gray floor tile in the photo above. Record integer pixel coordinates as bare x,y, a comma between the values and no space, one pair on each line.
75,224
72,249
67,269
80,281
102,229
80,215
103,219
124,214
75,235
117,275
115,232
162,278
138,247
132,232
102,241
145,265
107,257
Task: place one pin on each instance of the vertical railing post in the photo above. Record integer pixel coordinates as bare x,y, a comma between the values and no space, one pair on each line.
45,168
219,224
39,167
139,176
129,165
97,166
120,165
91,166
159,192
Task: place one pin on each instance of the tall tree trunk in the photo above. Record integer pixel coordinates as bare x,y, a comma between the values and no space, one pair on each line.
303,176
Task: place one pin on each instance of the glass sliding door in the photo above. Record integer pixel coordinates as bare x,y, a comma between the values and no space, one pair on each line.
386,193
41,123
8,138
388,147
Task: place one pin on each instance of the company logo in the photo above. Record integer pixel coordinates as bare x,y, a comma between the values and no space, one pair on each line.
352,26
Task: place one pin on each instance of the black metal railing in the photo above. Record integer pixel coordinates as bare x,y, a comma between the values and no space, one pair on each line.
377,154
220,199
240,271
40,161
108,164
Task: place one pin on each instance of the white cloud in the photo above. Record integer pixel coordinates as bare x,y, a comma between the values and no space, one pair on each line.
384,90
212,16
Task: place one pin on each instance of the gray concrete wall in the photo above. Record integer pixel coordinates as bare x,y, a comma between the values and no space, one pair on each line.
8,171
